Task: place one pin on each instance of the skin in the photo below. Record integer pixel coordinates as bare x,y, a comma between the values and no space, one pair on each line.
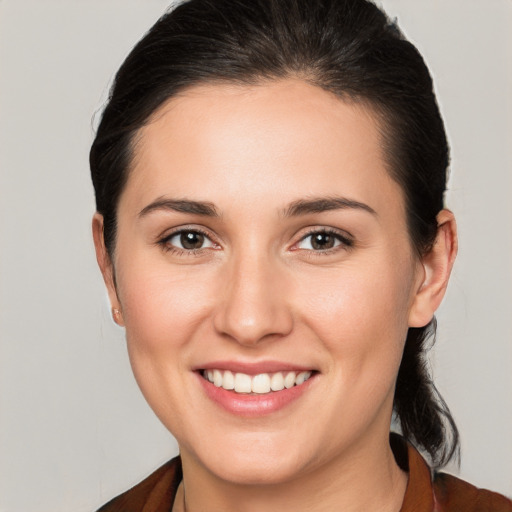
258,290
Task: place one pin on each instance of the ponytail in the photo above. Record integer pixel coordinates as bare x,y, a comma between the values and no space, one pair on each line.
424,417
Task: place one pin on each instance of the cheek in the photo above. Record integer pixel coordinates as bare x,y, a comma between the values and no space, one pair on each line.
164,311
162,306
361,314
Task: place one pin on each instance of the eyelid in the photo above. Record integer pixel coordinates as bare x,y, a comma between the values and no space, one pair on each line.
346,239
163,239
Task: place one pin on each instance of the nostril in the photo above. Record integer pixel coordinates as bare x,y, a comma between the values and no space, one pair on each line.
251,324
251,307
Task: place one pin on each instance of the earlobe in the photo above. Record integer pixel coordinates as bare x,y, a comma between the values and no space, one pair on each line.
437,266
106,267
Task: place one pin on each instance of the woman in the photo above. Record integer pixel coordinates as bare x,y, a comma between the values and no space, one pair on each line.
269,181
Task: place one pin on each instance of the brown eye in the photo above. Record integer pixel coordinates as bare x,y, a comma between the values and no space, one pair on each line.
191,240
319,241
187,240
322,241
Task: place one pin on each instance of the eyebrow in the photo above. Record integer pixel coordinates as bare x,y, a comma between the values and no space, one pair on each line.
295,209
182,206
324,204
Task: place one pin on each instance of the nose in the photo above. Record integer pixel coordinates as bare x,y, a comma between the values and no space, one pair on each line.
252,305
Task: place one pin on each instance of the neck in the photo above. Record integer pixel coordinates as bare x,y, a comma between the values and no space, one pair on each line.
367,478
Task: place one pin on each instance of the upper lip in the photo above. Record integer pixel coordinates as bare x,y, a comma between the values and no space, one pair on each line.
253,368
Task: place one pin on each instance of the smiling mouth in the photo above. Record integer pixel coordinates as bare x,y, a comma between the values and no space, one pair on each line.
262,383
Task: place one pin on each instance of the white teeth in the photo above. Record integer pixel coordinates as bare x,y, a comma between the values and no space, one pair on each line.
242,383
217,378
277,382
289,380
262,383
302,377
228,381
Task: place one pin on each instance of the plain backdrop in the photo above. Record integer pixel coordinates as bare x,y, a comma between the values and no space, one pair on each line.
74,428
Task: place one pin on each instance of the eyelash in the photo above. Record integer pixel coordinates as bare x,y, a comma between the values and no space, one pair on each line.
167,247
346,242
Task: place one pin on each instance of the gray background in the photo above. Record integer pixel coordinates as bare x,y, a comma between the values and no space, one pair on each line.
74,429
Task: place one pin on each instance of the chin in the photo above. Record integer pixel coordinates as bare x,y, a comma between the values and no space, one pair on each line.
259,470
260,461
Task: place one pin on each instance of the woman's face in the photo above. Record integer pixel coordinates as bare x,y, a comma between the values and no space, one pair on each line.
259,233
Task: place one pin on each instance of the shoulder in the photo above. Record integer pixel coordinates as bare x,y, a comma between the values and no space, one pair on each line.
154,494
453,494
428,491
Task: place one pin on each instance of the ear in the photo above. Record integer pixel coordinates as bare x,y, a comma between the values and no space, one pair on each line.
437,266
106,267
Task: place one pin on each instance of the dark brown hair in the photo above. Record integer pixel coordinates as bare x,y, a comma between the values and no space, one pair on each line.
347,47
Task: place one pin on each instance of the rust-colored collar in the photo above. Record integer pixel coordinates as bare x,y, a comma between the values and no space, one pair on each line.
419,495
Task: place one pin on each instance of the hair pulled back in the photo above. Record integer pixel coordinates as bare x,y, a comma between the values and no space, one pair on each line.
347,47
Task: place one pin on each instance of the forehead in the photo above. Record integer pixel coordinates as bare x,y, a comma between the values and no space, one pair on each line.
280,140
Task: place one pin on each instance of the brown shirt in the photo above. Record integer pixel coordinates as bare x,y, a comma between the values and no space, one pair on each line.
426,492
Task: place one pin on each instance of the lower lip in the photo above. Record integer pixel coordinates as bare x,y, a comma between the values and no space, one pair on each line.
251,405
